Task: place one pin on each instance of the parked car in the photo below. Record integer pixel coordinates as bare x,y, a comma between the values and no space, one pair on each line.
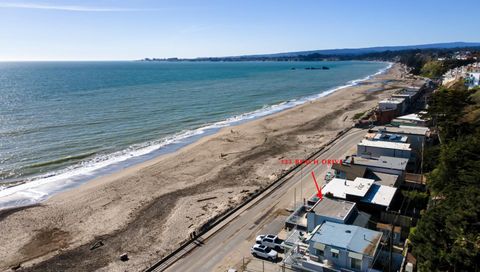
264,252
269,240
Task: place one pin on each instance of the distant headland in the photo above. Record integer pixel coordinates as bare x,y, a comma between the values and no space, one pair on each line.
368,53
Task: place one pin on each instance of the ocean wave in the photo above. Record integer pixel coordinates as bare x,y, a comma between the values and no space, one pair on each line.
39,188
62,160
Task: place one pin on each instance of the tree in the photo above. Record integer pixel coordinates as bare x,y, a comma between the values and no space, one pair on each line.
447,237
447,107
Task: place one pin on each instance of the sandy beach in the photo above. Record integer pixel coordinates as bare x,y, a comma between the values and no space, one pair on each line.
149,209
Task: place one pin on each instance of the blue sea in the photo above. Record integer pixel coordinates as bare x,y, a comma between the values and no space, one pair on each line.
63,123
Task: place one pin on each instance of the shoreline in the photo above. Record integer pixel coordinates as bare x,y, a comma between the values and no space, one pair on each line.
148,209
45,186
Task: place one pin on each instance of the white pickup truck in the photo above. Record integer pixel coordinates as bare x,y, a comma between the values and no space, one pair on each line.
269,240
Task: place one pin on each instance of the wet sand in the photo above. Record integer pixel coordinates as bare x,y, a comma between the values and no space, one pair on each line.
149,209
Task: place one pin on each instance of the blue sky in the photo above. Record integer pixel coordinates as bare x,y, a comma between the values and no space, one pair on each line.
123,30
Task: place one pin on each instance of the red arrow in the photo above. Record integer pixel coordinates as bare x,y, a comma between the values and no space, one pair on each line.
319,191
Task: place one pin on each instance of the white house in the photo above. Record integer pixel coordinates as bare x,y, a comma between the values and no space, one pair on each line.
392,104
343,247
374,149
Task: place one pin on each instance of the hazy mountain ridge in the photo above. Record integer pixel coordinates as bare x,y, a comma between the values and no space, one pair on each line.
368,53
359,51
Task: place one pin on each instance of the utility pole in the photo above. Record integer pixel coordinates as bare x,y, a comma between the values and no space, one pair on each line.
391,249
421,162
301,181
294,198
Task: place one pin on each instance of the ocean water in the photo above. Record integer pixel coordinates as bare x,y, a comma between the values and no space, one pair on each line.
62,123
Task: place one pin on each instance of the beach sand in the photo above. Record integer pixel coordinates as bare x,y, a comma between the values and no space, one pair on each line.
149,209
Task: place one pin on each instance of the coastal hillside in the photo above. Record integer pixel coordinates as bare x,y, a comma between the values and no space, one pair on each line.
384,53
376,49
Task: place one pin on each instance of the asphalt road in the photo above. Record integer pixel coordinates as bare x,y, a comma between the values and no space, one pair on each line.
228,245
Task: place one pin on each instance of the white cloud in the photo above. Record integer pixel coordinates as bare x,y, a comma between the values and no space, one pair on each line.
65,7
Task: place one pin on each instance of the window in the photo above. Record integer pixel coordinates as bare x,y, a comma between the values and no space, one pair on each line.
335,253
355,263
319,252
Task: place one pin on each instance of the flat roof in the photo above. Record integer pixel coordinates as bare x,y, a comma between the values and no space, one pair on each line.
383,162
341,187
405,93
413,88
401,95
380,195
383,144
384,179
351,170
333,208
404,130
408,90
361,219
406,123
393,100
390,137
410,117
352,238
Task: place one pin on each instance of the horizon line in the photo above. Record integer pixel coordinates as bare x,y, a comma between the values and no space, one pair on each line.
244,54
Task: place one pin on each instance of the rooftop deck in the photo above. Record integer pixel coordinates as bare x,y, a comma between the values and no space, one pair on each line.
383,144
383,162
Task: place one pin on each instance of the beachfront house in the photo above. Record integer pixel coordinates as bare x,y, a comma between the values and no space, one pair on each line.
374,149
385,116
342,246
397,104
409,94
365,192
412,119
317,211
384,170
416,135
383,164
332,210
387,137
347,170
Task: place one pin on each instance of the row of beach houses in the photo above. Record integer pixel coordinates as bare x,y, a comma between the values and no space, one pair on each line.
361,222
394,109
